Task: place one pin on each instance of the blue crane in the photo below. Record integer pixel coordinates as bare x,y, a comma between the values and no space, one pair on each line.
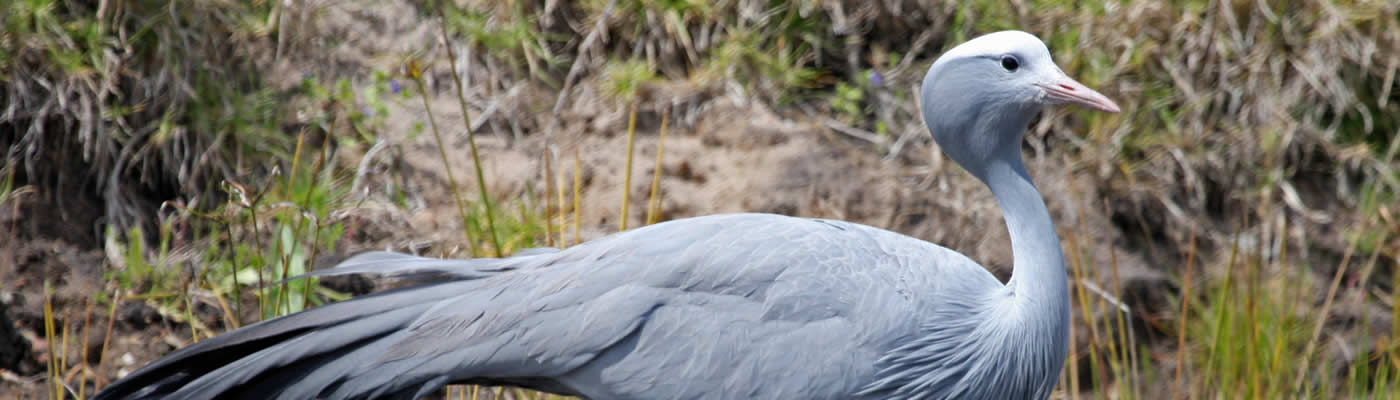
734,306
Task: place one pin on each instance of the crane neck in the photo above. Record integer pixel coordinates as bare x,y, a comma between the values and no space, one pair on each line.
1038,281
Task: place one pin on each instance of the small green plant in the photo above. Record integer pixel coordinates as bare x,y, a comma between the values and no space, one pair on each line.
7,184
287,298
365,110
141,273
624,81
775,65
847,102
506,31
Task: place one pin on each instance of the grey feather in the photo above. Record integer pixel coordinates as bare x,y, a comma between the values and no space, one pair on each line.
717,307
412,268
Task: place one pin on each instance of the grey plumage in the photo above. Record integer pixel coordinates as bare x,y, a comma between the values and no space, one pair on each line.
717,307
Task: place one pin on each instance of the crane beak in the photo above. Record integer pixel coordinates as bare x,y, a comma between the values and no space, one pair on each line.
1066,90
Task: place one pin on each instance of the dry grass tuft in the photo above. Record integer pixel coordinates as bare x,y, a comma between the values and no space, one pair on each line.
137,101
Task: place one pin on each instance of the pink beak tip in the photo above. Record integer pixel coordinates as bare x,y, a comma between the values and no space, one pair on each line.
1109,106
1071,91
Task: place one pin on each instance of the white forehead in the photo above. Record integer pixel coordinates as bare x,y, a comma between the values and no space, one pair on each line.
1022,44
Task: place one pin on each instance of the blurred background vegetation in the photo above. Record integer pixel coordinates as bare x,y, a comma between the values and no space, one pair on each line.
163,159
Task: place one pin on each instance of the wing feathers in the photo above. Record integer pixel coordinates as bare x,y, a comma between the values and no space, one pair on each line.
411,340
412,268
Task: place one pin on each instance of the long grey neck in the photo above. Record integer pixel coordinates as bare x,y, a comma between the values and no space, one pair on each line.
1038,279
983,131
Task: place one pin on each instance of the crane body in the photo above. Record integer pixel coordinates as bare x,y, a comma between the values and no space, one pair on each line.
717,307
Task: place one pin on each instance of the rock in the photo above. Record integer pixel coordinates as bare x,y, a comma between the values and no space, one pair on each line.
15,354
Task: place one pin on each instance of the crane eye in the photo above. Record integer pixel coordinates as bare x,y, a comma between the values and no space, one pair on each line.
1010,63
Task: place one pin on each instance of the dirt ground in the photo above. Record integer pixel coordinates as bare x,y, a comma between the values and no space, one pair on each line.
721,155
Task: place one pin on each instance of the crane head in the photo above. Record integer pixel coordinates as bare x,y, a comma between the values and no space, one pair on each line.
979,96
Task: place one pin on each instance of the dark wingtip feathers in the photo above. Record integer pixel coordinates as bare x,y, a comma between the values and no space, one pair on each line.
344,323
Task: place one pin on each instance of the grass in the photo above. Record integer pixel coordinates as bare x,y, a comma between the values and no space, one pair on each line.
1247,333
140,89
624,80
1233,109
261,237
506,30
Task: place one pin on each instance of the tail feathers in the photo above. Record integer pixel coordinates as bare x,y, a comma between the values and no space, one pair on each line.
375,370
408,342
158,389
306,347
161,375
180,368
315,377
273,385
345,376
